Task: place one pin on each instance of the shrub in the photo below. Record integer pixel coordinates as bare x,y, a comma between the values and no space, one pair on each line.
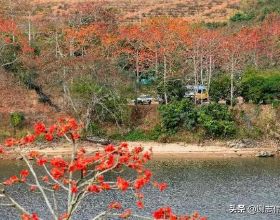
241,16
178,114
17,120
140,135
220,88
174,89
217,120
261,86
104,102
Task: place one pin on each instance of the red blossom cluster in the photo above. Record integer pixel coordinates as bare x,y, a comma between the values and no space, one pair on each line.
65,126
33,216
167,214
85,173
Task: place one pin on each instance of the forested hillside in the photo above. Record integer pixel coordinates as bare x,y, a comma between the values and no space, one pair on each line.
90,59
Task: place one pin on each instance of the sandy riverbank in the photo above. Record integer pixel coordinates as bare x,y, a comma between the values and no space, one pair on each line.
216,150
164,150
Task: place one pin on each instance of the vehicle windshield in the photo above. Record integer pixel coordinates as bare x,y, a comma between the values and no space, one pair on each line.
145,97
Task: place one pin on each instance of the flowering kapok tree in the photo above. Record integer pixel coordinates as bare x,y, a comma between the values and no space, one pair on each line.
84,174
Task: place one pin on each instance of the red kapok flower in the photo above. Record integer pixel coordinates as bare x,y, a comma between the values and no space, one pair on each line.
10,142
33,188
39,128
139,183
63,216
160,186
115,205
94,188
1,150
166,213
45,179
29,139
24,173
122,184
57,173
76,136
52,129
140,204
74,189
105,186
147,155
11,180
72,123
109,148
59,162
49,137
127,213
41,161
56,187
100,178
162,213
124,145
33,216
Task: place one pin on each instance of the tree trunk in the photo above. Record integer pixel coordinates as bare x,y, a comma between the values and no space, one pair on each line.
195,79
137,65
29,28
201,71
156,64
231,82
209,77
164,80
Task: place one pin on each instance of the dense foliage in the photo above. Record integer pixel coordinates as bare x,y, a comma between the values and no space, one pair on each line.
179,114
261,86
216,119
220,88
174,88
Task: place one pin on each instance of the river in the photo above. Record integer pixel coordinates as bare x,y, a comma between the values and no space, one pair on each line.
215,188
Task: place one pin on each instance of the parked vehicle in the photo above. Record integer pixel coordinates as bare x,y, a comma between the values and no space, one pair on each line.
199,92
143,99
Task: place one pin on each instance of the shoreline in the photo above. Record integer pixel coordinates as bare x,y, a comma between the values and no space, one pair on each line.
161,150
208,151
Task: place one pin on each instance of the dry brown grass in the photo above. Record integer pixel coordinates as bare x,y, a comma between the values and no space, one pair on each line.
133,10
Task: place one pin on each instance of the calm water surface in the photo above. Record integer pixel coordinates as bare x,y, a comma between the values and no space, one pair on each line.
209,186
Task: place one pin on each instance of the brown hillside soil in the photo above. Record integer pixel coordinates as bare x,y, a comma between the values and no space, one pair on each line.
134,10
14,97
263,119
145,117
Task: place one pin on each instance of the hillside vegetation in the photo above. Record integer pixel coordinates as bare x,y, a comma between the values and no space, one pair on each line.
82,59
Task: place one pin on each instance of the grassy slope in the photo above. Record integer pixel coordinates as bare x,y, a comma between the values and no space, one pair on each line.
131,10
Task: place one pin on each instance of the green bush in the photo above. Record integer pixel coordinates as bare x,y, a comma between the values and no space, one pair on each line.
220,88
107,105
94,129
174,89
217,120
261,86
241,16
139,135
17,120
179,114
